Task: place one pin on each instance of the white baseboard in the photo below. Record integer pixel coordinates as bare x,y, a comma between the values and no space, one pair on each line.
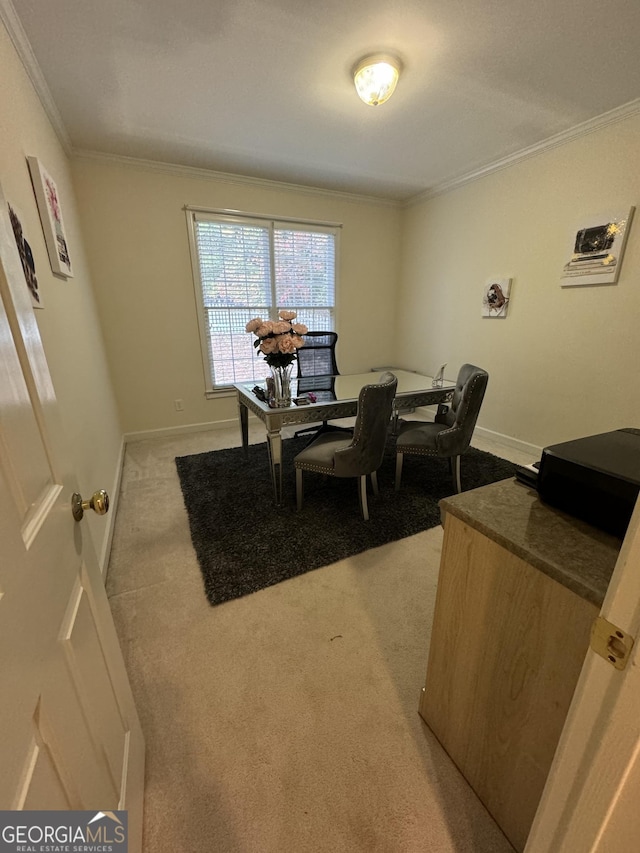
490,435
499,438
166,432
114,495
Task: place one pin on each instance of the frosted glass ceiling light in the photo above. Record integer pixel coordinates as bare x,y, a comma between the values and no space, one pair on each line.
376,77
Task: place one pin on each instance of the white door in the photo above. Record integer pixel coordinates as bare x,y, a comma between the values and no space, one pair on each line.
70,736
590,801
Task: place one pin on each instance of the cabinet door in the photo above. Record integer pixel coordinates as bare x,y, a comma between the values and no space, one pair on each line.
507,647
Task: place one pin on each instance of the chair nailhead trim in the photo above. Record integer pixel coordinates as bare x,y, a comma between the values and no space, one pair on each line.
319,468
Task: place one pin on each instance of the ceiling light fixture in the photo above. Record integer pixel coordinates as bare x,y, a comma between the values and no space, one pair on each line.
376,77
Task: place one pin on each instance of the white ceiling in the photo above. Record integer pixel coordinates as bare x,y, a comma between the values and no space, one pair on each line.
263,87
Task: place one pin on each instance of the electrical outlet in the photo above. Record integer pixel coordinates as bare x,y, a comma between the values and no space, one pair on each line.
178,405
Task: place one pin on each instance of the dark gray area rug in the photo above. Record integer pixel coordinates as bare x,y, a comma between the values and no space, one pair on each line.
244,543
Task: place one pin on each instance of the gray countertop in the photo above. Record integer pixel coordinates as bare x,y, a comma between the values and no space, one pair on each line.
574,553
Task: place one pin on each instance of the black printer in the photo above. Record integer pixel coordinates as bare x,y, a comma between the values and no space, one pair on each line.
596,478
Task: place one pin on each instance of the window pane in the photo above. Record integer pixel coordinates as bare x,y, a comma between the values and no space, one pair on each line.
316,319
232,355
234,264
304,267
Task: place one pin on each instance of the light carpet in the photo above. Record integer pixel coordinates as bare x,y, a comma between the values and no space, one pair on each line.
286,721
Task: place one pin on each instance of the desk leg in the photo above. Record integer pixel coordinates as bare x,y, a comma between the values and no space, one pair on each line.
274,443
243,412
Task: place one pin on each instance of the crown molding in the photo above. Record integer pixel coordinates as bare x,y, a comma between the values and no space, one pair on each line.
228,177
24,50
613,116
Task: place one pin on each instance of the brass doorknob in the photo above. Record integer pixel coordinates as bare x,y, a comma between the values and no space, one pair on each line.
98,502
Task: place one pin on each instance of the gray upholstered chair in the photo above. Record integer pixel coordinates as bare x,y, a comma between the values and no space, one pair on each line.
335,454
450,435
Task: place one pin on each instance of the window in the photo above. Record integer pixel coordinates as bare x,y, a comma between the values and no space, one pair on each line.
247,267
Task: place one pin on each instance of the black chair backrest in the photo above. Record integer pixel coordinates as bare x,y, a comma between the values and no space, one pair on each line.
324,387
318,355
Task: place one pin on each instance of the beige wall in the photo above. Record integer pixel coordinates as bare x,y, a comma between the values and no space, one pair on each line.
564,363
69,325
136,237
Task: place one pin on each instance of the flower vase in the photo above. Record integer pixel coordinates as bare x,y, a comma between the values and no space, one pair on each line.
281,395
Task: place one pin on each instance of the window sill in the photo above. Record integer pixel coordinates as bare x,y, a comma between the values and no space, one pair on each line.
217,393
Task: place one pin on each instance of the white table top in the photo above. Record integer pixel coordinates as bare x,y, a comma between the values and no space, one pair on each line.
348,386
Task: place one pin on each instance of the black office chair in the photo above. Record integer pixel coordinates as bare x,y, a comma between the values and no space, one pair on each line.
317,369
318,355
360,455
450,435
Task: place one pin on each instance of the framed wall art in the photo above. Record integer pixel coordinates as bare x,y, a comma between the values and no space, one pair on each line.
495,297
26,257
50,212
596,250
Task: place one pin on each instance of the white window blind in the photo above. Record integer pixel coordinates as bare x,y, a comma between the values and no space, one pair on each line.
245,268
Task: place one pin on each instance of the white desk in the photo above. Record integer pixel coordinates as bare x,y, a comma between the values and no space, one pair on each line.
414,389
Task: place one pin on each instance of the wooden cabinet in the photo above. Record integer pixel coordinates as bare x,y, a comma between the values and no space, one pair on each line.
507,646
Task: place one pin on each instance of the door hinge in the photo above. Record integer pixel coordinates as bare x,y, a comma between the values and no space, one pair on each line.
611,643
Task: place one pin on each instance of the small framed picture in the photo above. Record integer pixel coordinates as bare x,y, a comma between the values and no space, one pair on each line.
594,255
50,211
495,297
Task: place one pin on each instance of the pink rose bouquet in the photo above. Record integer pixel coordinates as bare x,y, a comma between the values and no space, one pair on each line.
278,340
